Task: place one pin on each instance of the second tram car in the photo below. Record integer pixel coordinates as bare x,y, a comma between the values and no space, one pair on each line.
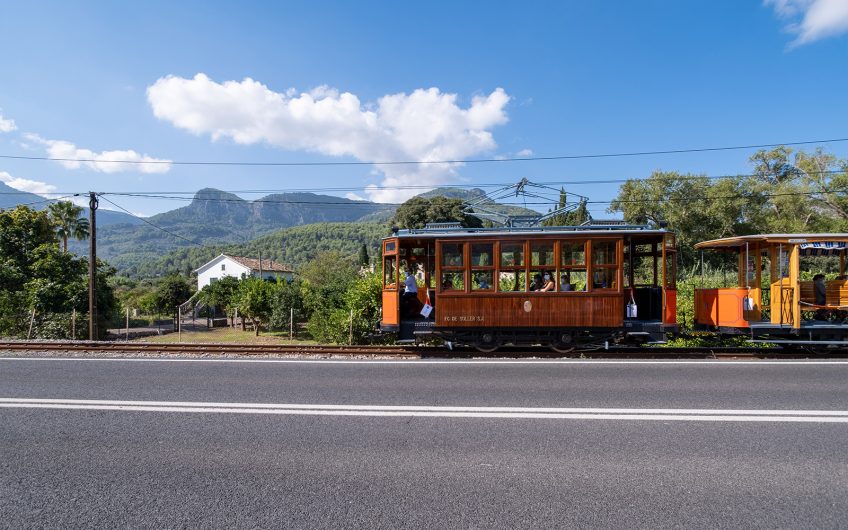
487,288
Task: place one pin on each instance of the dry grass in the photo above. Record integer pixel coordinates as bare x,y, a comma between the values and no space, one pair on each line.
224,335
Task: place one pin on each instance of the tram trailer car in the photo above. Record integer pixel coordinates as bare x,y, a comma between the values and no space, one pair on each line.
770,303
611,284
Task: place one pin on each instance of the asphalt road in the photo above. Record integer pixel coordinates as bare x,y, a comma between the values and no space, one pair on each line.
412,444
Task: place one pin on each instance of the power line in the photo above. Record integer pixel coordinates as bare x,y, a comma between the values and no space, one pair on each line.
424,187
426,162
151,224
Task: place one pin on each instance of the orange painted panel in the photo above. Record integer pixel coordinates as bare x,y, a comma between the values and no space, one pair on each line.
720,307
670,316
391,312
527,310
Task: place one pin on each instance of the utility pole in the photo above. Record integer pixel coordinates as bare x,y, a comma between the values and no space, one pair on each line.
92,266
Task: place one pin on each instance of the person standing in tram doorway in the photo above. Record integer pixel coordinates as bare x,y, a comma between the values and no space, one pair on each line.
410,294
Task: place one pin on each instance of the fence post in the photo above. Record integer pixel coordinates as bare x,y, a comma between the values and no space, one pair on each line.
350,339
31,320
74,323
291,323
128,323
179,324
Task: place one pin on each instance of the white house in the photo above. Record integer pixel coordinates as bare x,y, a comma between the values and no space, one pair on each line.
240,267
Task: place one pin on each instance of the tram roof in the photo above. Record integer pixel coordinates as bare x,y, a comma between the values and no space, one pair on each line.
571,231
802,239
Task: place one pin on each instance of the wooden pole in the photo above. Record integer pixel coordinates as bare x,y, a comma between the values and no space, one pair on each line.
291,323
92,266
128,323
74,324
179,324
350,338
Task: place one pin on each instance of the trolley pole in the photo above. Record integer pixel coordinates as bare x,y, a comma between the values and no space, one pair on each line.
92,266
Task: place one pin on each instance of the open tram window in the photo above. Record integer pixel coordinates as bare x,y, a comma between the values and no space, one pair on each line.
512,281
453,281
390,271
452,267
572,273
604,265
513,275
542,263
482,267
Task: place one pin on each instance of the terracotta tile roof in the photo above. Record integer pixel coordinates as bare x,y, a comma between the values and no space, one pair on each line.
253,264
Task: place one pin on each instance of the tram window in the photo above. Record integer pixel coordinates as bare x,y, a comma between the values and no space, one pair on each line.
604,278
670,270
419,251
572,280
603,253
572,253
389,271
482,281
453,281
512,254
515,281
481,255
390,246
542,254
452,254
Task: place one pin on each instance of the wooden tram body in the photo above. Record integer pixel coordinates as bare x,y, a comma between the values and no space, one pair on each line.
770,302
478,282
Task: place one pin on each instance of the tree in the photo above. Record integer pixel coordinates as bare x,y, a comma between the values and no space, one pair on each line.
36,275
364,259
222,294
254,300
418,211
576,217
171,292
68,221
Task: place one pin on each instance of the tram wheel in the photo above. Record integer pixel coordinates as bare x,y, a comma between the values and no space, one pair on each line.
564,343
487,343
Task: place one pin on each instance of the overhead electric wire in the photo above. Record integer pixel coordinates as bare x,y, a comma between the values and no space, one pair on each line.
151,224
425,162
427,187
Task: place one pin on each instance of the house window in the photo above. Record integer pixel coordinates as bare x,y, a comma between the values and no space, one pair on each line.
223,266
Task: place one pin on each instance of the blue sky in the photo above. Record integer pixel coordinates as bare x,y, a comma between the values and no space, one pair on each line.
398,81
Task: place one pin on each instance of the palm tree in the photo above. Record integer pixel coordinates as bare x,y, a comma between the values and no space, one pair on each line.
68,220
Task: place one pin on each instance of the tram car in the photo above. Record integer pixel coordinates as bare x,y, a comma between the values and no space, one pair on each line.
559,287
770,302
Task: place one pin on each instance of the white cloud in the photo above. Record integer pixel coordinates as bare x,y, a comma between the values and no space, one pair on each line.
7,124
524,153
31,186
75,157
818,18
354,197
421,126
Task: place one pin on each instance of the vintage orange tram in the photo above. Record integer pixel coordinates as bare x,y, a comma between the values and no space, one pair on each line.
560,287
771,301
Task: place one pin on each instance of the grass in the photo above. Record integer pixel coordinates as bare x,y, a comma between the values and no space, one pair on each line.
202,335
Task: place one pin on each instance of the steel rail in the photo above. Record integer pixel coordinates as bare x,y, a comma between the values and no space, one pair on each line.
402,352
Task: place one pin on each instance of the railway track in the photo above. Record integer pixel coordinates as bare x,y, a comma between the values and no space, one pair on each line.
399,352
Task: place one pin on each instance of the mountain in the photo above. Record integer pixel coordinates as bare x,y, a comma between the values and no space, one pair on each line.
215,218
10,197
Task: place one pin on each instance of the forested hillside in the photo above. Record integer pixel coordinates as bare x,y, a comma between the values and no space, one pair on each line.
215,217
291,246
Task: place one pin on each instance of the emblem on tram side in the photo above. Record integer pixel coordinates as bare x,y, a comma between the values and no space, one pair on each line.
528,306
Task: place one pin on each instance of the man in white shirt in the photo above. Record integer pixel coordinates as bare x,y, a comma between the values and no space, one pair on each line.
409,300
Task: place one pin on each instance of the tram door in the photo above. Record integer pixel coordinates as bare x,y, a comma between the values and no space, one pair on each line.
669,268
419,257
